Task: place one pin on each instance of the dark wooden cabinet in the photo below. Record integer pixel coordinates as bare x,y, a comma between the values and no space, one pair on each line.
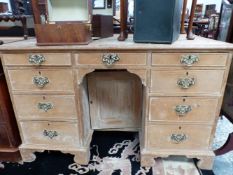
102,26
9,134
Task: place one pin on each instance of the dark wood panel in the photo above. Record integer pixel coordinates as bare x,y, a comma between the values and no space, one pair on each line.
4,141
9,134
102,26
12,155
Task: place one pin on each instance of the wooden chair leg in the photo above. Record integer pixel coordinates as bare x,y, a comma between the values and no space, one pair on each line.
123,21
190,35
227,147
182,29
25,29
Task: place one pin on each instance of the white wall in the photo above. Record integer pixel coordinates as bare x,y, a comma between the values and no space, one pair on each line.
106,11
206,2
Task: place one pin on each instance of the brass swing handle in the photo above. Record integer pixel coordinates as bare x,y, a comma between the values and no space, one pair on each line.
40,81
36,59
189,60
110,58
182,110
186,83
45,106
50,134
178,138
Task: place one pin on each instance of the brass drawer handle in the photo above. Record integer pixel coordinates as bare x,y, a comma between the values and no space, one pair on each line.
45,106
50,134
36,59
110,58
186,83
189,60
182,110
178,138
40,81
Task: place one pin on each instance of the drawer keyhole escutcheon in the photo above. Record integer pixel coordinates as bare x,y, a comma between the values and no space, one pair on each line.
189,60
178,138
40,81
36,59
50,134
45,106
182,110
185,83
110,58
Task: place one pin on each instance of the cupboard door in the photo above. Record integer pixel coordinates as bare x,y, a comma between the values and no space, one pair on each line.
115,100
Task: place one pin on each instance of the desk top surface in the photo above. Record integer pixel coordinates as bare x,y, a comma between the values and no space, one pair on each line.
112,43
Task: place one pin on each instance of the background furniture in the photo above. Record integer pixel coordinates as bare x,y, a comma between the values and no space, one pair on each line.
226,34
58,26
226,22
13,18
148,28
9,134
179,105
21,11
102,26
210,10
3,7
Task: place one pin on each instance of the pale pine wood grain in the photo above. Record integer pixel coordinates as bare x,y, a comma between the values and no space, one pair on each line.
63,107
125,58
59,80
197,136
163,109
205,59
115,100
51,59
66,133
206,81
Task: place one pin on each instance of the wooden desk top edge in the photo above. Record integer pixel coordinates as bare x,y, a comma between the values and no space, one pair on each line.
112,43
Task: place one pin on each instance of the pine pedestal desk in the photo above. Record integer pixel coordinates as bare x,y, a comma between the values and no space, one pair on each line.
171,94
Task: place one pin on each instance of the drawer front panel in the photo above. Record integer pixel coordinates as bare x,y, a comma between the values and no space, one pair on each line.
185,109
189,59
178,136
51,80
38,107
186,82
37,59
124,59
50,133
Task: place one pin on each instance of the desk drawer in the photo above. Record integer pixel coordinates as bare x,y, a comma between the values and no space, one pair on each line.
45,107
187,82
50,133
189,59
41,80
124,58
37,59
186,109
178,136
